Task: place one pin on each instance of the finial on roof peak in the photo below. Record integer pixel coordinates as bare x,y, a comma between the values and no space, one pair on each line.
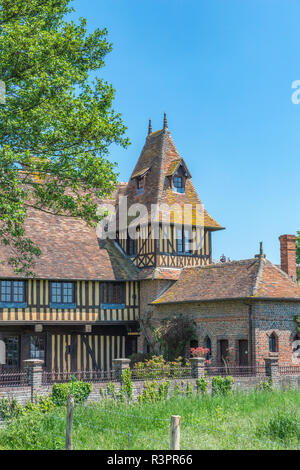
165,121
150,127
261,251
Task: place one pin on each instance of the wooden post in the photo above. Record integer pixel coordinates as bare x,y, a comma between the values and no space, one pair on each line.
175,433
70,412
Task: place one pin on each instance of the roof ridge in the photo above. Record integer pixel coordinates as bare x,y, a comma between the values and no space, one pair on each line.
259,274
220,265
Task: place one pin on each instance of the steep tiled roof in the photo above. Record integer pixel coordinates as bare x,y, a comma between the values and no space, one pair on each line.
253,278
70,250
159,158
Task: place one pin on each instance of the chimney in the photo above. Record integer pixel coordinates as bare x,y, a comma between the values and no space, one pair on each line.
288,255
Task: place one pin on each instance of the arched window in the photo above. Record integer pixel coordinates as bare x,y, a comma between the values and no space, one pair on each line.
296,345
207,344
273,343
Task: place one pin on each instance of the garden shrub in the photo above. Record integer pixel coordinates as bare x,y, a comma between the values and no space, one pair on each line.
139,357
266,386
283,426
150,393
201,385
189,389
158,368
163,389
60,392
127,383
9,408
221,385
12,409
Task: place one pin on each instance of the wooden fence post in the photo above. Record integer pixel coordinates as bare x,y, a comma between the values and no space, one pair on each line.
70,412
175,433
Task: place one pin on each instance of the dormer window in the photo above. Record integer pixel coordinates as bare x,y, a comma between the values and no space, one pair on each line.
140,182
178,184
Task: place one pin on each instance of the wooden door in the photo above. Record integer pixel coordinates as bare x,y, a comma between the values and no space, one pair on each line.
243,352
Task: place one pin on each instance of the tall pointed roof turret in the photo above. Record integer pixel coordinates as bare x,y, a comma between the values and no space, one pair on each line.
159,161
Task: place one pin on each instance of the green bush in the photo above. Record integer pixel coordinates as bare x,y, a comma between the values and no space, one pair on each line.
9,408
201,385
60,392
283,426
189,389
139,357
163,389
158,368
266,386
127,383
150,393
221,385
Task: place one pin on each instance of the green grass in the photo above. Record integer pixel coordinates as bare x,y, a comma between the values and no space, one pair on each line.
257,420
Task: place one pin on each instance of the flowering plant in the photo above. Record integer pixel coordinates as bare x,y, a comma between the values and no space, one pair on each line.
199,352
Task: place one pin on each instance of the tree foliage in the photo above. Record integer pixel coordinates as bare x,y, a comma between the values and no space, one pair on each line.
175,335
56,124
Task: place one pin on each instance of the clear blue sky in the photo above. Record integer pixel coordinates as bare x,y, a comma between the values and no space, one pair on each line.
222,70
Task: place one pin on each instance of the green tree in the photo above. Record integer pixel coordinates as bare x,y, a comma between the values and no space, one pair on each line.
56,125
175,334
298,252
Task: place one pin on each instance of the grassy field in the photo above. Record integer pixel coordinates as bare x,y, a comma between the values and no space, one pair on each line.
258,420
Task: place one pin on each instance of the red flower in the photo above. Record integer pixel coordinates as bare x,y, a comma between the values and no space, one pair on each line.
199,352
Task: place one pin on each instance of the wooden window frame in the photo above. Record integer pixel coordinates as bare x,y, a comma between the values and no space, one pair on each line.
61,283
108,293
12,300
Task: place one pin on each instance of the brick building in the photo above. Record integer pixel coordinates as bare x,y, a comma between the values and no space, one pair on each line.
91,298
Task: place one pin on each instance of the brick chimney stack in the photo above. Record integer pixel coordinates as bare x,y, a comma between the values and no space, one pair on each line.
288,255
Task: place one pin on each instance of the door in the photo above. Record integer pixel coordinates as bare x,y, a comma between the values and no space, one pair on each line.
243,352
223,351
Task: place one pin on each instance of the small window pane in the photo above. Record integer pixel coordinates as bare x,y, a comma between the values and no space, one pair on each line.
37,347
5,291
12,350
179,241
187,242
56,292
178,182
67,293
18,291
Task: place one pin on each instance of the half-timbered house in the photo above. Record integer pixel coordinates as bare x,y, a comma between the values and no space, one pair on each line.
92,290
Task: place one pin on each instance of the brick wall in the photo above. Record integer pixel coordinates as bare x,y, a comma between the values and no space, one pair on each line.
277,317
149,291
230,320
218,320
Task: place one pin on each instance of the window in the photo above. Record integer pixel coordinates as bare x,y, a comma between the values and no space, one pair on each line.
273,343
178,184
12,291
140,182
131,246
183,243
37,347
113,293
12,350
62,293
